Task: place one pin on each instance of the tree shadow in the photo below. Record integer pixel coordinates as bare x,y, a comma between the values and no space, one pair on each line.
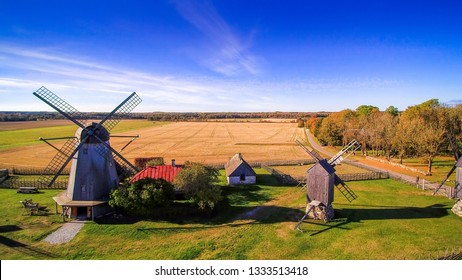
267,180
249,216
191,217
234,202
391,213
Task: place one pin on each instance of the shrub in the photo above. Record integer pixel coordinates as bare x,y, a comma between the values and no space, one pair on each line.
142,196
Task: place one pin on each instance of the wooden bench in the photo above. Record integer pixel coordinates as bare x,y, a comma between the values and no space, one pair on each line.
32,208
27,190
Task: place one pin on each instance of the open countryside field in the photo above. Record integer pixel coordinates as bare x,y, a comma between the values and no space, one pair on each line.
208,142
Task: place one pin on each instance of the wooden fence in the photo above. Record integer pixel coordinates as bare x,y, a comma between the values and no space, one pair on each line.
15,183
280,176
267,163
364,176
33,171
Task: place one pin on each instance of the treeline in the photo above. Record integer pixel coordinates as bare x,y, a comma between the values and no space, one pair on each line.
197,116
425,130
26,116
40,116
164,116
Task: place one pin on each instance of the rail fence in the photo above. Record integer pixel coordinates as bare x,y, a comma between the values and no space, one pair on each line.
16,183
268,163
33,171
280,176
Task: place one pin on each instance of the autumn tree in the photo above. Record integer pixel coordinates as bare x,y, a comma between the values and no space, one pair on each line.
431,125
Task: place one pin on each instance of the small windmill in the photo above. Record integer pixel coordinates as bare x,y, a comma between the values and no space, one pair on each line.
457,193
321,179
96,167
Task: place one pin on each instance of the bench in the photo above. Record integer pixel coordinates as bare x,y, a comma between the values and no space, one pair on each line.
27,190
32,208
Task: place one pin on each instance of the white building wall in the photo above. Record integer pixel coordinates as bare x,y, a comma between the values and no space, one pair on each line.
237,180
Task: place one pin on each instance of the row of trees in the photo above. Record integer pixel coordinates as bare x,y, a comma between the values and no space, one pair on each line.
425,130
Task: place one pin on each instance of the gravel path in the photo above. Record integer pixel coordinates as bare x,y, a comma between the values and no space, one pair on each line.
65,233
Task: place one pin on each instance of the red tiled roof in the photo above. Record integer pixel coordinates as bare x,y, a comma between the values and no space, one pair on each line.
166,172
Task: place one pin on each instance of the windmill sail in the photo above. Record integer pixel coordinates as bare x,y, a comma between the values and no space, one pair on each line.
121,111
61,106
345,152
312,153
58,163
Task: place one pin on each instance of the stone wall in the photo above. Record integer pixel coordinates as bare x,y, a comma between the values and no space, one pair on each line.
457,208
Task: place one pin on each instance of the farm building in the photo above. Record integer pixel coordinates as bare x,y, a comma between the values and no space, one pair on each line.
166,172
238,171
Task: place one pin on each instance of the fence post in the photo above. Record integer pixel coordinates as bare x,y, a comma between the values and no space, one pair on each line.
423,184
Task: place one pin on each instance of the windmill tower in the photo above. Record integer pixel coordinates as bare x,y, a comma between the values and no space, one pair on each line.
96,168
320,182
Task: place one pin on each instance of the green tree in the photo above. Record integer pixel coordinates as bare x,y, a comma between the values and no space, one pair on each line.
392,110
142,196
198,182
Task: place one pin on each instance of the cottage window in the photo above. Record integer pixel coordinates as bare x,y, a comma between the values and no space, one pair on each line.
242,177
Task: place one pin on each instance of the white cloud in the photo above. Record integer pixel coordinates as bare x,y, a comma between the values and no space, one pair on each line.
228,54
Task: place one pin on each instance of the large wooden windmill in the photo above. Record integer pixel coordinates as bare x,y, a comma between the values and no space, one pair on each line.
320,182
96,167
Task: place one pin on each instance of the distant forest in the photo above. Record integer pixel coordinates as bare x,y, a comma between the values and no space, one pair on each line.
165,116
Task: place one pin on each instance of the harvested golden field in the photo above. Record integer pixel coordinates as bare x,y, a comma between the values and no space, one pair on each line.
208,142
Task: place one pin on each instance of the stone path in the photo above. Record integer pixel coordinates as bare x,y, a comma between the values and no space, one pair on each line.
65,233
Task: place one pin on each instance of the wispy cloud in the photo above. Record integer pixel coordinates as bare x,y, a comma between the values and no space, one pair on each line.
76,77
92,85
229,55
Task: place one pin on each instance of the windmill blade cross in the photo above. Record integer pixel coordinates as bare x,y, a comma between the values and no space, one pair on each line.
312,153
114,117
60,160
61,106
121,160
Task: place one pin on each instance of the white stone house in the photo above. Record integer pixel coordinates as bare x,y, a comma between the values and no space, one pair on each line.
238,171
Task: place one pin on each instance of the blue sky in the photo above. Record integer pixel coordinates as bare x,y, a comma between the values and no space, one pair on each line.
231,55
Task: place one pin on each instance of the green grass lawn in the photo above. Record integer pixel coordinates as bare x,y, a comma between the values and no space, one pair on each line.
389,220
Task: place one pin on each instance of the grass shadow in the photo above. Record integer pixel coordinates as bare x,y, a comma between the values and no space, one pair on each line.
391,213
